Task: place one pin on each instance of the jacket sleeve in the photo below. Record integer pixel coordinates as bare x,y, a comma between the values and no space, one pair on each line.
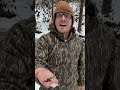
41,53
81,66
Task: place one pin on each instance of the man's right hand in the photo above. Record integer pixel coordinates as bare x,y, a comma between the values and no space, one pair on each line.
43,75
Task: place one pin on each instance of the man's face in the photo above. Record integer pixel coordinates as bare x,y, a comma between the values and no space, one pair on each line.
63,22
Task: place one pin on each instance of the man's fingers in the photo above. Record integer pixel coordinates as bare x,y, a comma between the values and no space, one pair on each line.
46,84
50,82
54,81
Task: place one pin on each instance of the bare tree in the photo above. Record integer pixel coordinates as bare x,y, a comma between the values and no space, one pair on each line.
80,15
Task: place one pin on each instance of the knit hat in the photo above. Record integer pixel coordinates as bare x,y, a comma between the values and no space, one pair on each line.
63,6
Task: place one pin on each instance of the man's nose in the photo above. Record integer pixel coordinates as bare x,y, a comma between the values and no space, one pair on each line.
63,18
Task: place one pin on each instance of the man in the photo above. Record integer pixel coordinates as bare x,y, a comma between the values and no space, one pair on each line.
59,54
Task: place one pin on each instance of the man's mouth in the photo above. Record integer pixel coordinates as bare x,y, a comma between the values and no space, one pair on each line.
63,25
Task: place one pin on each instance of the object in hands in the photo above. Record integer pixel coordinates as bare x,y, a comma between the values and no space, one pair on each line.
49,79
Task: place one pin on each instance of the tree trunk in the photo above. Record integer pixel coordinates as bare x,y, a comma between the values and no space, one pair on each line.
52,7
80,15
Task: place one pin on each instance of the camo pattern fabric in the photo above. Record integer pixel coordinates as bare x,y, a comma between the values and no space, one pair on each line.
17,57
100,56
65,59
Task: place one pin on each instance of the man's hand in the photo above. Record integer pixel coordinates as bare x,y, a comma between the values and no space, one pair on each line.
81,88
45,77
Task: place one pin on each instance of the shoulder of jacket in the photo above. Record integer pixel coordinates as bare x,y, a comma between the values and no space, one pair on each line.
79,38
45,36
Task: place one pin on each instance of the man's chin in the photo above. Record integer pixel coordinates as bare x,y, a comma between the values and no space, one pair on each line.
63,32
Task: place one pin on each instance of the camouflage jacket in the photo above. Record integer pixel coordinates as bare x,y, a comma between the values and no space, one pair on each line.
63,58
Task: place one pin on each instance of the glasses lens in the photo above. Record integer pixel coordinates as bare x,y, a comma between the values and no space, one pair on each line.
67,15
59,15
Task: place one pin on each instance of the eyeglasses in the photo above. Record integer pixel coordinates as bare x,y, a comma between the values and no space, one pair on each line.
60,15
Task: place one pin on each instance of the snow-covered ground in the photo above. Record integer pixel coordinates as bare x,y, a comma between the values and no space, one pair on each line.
37,86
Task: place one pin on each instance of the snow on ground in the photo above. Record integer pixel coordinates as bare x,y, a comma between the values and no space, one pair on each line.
37,86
